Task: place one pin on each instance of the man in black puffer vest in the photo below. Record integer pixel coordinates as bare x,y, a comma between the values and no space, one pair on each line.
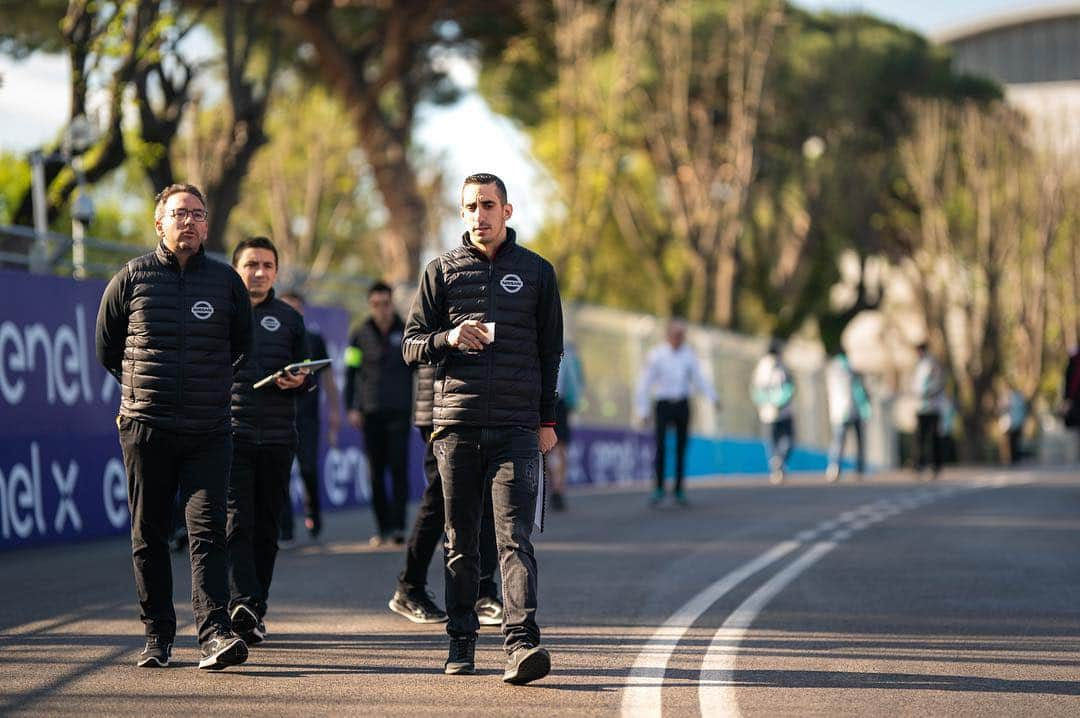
172,327
264,438
494,412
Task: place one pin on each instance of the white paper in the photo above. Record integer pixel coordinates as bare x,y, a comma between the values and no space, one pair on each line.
538,515
490,337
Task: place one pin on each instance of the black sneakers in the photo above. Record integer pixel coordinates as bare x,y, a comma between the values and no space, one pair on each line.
156,653
489,611
223,650
417,607
462,658
526,664
248,624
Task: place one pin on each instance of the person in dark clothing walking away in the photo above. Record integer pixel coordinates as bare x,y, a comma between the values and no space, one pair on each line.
494,413
412,599
378,396
671,372
264,438
172,327
308,429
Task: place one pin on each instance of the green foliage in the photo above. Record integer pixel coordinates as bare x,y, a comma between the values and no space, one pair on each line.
14,180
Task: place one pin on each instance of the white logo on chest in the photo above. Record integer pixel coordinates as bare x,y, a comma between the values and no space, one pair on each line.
511,283
202,309
270,323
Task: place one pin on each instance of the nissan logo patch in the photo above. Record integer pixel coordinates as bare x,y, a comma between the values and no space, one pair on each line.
511,283
270,324
202,309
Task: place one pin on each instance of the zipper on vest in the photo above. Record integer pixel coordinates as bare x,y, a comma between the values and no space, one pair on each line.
183,346
490,353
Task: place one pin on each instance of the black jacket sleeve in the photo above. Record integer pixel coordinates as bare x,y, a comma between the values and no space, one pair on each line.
354,357
426,329
549,322
242,331
112,324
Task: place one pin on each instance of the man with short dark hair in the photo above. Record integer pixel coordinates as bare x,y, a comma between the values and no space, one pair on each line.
379,396
172,327
494,413
264,438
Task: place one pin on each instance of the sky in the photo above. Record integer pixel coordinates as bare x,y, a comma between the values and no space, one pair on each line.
463,138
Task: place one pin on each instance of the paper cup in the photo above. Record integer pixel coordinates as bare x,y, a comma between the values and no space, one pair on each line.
490,327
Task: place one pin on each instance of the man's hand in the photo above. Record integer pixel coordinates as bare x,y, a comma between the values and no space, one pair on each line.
469,336
356,418
291,381
547,439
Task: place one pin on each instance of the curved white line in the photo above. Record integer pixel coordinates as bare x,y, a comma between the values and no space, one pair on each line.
716,690
643,694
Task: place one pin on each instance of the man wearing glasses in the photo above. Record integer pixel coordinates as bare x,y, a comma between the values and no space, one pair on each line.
172,328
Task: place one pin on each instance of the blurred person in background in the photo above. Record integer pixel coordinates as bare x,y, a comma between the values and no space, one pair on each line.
379,399
570,387
849,408
308,428
672,371
928,387
772,391
1012,413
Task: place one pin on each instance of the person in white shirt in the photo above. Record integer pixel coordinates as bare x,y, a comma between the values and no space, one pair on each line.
928,386
772,390
849,407
671,372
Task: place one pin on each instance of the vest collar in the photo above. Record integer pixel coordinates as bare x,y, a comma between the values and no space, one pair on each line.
166,256
508,244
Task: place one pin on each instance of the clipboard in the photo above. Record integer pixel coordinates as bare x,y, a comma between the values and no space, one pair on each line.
541,496
313,365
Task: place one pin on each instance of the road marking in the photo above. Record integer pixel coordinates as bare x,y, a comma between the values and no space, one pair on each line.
644,686
716,688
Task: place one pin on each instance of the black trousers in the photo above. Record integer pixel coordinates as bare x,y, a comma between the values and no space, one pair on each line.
928,441
504,461
429,527
386,439
160,465
677,415
307,456
258,489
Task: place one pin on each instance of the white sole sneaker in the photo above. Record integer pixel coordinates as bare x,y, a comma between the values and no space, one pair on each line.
233,653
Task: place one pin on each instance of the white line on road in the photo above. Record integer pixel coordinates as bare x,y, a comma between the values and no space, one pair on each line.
718,669
644,686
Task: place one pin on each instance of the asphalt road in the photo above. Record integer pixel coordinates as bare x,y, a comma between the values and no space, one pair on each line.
889,597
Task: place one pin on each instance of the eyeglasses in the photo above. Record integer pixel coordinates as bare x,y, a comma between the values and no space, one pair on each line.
199,215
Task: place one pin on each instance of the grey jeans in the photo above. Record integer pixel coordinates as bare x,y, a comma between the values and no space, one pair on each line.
501,463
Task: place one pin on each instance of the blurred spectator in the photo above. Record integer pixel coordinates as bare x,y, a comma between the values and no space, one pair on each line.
671,371
1070,390
772,390
569,388
928,386
1011,418
308,428
378,396
849,407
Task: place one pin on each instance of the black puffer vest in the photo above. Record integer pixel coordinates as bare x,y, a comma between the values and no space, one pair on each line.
268,415
499,386
425,395
178,355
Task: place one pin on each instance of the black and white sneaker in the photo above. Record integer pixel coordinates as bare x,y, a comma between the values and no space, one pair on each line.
247,624
417,607
462,658
223,650
526,664
156,653
489,611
